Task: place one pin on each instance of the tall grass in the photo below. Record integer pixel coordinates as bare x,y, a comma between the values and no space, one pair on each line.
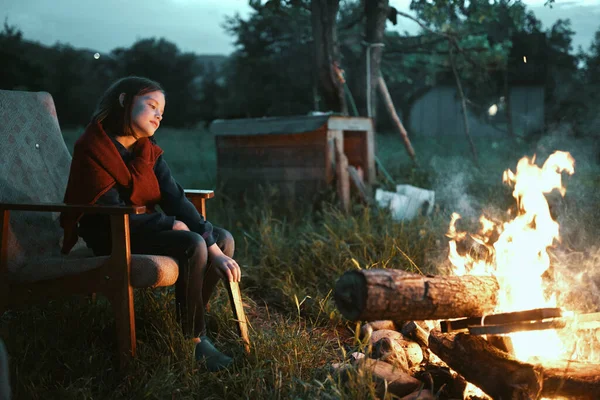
290,261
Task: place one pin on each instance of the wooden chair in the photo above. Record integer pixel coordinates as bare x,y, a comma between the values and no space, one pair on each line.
34,168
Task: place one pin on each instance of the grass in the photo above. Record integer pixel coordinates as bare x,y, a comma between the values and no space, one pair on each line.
66,349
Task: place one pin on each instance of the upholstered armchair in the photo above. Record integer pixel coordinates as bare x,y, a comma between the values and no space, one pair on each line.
34,168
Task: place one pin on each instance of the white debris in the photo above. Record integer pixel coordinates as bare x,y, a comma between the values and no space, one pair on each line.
407,202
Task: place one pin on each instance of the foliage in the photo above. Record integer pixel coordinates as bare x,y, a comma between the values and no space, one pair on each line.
270,73
162,61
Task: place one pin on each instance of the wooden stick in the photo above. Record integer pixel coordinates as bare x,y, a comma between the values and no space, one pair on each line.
463,106
389,104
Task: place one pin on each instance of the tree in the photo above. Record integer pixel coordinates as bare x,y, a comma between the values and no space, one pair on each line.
161,60
19,70
327,59
271,71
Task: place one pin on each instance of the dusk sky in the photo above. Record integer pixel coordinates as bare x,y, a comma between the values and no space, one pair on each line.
196,25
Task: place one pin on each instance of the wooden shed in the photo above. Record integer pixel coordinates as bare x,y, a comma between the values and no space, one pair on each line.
295,154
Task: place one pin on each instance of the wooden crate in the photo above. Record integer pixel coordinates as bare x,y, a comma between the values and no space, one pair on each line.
294,154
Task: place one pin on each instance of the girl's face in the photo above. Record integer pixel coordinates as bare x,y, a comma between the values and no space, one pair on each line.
146,113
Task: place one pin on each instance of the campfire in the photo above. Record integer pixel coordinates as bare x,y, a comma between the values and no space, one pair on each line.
495,326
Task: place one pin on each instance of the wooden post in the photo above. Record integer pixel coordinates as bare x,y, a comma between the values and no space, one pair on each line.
343,180
121,292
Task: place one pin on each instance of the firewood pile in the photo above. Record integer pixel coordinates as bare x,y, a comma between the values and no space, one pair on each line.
425,338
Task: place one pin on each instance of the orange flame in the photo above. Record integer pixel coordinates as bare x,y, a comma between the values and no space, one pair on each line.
517,250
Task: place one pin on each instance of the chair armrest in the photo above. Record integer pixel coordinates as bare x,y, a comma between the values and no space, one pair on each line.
198,199
77,208
202,194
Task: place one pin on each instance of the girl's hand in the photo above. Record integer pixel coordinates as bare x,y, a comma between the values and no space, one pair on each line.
180,226
227,268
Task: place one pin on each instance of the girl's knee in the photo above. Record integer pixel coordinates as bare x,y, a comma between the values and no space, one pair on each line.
224,240
195,245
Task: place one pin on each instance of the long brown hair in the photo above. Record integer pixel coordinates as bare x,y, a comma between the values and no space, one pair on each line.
116,119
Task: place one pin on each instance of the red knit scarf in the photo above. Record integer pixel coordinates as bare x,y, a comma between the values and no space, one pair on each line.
97,166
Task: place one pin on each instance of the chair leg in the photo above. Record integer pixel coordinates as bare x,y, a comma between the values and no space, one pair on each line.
122,303
235,297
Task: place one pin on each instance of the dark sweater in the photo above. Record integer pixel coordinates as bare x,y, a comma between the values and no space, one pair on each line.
95,228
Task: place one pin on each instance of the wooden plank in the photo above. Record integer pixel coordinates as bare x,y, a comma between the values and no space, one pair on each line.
235,297
75,208
259,175
340,123
299,188
501,318
317,137
269,125
274,157
201,193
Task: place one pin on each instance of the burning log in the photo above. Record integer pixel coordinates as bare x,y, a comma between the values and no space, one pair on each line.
571,379
387,294
501,376
487,367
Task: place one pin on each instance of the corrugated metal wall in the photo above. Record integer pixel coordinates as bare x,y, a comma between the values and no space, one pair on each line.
438,113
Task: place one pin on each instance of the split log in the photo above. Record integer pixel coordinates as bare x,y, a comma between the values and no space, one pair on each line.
393,345
399,383
370,327
501,376
416,332
385,376
377,294
420,395
390,351
487,367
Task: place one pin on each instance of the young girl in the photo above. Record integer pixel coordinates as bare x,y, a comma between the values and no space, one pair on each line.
117,162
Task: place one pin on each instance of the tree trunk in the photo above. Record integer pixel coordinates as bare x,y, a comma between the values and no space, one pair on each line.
378,294
324,29
501,376
376,12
